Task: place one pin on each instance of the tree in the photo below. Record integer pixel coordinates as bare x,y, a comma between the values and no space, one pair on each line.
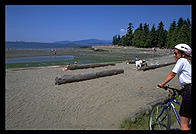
153,37
171,35
180,32
116,39
184,35
180,22
129,34
124,41
146,35
161,35
138,37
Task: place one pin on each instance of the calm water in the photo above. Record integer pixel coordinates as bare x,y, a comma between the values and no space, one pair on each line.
39,59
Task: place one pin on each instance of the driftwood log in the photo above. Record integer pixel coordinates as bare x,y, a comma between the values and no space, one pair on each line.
85,66
144,68
80,77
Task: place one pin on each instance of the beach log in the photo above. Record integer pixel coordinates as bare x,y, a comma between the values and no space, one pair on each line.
156,66
85,66
81,77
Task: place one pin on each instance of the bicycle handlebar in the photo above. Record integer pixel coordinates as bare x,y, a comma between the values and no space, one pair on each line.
174,91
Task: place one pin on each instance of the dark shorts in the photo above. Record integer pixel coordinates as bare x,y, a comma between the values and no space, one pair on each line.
186,105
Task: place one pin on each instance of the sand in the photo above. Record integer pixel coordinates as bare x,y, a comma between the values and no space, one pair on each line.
33,101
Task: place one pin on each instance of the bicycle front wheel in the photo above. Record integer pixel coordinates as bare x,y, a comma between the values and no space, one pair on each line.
159,118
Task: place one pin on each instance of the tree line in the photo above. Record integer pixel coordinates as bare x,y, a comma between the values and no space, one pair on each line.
178,32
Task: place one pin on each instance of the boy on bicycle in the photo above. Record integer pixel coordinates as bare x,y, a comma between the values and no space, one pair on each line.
183,67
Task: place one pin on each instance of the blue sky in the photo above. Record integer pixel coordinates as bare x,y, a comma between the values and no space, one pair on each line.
50,23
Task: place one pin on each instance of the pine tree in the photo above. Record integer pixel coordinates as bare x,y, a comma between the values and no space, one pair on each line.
171,35
129,35
146,35
161,35
153,37
115,40
138,37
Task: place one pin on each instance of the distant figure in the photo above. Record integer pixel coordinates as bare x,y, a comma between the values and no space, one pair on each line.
138,64
136,58
127,61
75,63
53,51
153,49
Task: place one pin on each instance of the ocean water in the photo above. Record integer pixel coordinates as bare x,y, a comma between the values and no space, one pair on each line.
35,45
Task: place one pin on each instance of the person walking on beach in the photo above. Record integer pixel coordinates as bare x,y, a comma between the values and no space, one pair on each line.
183,67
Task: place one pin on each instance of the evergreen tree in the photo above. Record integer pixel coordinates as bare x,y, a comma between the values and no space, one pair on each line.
129,35
180,22
124,41
138,37
116,39
161,35
184,35
142,37
146,35
153,37
171,35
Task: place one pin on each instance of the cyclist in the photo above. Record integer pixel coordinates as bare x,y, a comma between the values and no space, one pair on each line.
183,67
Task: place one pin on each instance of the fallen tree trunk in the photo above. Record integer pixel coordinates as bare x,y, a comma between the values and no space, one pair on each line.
81,77
85,66
155,66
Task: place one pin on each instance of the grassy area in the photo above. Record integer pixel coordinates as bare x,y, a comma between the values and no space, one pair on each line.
141,122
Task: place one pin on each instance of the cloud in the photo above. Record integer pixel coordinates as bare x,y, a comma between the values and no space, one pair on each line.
123,31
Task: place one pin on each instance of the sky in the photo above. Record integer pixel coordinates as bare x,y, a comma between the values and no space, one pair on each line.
50,23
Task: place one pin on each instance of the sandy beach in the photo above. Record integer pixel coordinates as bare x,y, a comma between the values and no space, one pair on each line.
33,101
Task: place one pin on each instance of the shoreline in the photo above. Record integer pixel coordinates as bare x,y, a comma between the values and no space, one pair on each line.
96,54
13,53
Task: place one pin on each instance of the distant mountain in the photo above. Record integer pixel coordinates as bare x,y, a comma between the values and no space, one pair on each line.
37,45
88,42
57,44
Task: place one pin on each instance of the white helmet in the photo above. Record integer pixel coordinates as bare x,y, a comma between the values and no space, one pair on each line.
184,48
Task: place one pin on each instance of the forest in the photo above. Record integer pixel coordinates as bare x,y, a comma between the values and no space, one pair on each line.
143,36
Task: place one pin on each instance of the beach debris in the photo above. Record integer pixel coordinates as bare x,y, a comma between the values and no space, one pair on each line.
144,68
85,66
81,77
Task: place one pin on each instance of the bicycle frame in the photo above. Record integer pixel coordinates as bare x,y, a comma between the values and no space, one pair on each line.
170,105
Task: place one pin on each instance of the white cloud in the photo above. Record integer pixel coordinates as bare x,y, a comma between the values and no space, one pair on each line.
123,31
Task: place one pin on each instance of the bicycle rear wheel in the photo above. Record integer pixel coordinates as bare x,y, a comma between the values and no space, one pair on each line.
159,118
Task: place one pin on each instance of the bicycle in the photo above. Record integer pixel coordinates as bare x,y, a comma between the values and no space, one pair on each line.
160,116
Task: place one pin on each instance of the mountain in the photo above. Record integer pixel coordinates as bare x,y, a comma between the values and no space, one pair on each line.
88,42
36,45
57,44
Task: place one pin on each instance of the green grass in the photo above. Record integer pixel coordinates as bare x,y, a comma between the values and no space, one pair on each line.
141,122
